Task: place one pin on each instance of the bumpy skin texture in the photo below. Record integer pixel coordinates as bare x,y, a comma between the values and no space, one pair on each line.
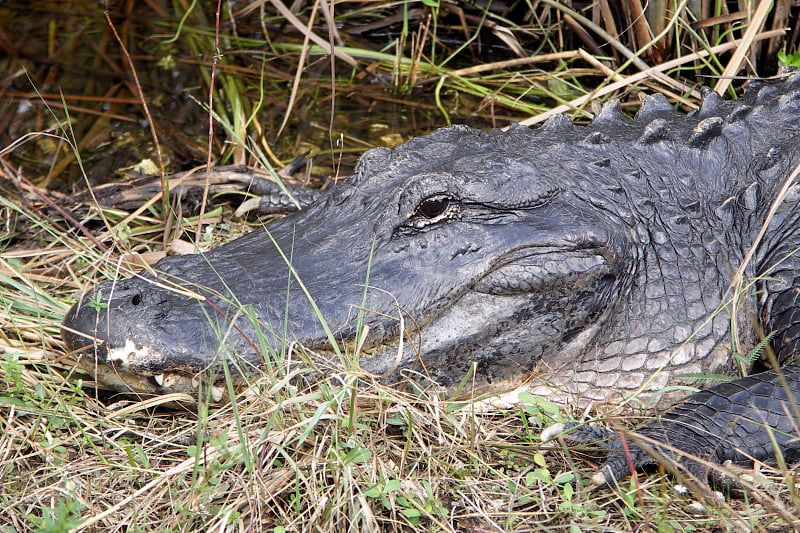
735,421
594,261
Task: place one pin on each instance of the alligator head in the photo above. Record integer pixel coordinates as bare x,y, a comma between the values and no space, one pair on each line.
453,239
597,255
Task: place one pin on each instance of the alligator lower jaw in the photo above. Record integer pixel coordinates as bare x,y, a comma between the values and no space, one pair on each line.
156,385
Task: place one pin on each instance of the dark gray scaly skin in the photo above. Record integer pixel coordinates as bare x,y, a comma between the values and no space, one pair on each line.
593,263
734,421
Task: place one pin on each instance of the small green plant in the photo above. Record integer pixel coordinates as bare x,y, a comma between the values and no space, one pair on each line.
563,485
123,233
745,359
12,374
753,355
789,60
62,518
96,302
381,491
539,412
415,506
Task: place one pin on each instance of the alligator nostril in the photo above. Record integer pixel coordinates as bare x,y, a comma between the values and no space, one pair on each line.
137,299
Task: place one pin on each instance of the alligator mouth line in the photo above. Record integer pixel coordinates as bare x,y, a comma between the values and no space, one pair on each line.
114,374
541,269
412,328
175,382
526,252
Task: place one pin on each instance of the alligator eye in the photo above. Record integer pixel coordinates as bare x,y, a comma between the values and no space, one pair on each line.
433,210
433,207
137,299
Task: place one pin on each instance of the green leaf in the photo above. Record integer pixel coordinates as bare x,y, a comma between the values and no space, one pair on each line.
357,456
564,477
374,491
392,485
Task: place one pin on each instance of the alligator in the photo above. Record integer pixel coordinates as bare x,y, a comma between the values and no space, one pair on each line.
589,264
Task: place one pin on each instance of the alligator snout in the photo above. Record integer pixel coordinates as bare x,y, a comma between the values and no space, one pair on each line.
106,320
161,333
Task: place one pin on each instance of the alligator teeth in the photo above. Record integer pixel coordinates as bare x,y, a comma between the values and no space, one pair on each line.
217,392
159,379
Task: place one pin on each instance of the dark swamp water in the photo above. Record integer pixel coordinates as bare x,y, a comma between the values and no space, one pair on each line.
66,77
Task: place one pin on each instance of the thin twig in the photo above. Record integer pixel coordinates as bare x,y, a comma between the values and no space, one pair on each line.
301,62
211,83
509,63
151,123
